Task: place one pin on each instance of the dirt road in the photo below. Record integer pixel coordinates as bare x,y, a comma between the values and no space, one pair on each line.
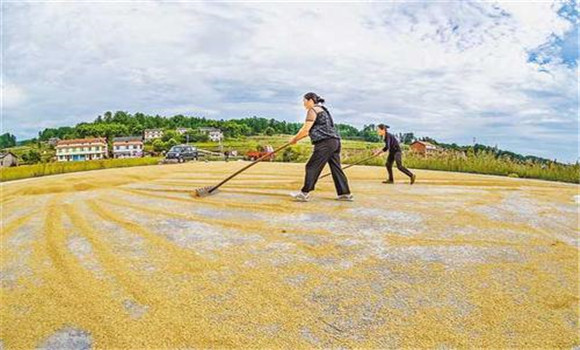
125,258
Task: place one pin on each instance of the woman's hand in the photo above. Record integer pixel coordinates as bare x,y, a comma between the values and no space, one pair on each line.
377,152
293,140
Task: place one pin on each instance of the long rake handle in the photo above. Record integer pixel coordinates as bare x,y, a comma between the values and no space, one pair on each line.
248,166
353,164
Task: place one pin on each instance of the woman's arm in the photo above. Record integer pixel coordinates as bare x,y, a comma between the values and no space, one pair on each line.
310,118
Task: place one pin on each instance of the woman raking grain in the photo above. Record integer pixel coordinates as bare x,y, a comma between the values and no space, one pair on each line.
319,126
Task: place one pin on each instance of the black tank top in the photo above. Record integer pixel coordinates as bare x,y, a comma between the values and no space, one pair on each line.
323,127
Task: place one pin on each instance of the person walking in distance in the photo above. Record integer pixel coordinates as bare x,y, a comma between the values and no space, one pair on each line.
395,154
323,135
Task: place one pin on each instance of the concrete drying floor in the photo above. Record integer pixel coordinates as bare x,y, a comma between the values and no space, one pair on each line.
125,258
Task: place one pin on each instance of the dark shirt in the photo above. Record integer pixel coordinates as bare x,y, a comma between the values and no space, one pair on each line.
323,127
391,143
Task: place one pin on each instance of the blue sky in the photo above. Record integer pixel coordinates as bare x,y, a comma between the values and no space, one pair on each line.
502,72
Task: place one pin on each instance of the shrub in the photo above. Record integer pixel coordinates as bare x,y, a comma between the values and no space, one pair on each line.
290,155
170,143
269,131
158,145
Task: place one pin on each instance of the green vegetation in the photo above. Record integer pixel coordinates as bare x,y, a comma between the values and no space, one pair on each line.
32,153
7,140
123,123
250,134
42,169
486,163
481,161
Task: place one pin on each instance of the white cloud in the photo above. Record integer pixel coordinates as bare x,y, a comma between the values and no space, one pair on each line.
448,70
12,96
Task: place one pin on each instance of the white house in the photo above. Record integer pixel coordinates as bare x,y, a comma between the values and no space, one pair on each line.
128,147
150,134
81,149
181,131
214,134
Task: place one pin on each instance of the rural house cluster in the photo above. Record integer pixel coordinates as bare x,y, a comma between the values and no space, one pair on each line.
122,147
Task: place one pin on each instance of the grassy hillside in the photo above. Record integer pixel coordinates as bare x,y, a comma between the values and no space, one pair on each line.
45,151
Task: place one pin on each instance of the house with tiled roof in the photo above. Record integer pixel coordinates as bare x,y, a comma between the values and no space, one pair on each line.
423,147
128,147
81,149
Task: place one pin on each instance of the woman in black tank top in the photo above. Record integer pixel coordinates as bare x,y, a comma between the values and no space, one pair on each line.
323,135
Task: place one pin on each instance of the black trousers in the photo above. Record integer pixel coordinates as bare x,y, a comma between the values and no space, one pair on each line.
326,151
396,157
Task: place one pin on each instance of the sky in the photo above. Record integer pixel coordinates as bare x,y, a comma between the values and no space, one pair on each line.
504,73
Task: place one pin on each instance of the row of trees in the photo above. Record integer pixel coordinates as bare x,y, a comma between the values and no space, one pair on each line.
122,123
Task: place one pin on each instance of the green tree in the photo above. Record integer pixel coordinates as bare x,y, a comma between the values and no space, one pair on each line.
32,157
170,143
158,145
369,133
290,155
108,117
170,134
408,138
121,117
347,131
196,136
269,131
7,140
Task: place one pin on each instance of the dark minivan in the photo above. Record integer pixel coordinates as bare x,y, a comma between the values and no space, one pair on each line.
182,153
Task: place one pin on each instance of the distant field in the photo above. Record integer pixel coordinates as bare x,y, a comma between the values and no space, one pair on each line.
252,142
354,151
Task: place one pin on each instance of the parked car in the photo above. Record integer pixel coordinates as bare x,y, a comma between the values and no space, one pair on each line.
182,153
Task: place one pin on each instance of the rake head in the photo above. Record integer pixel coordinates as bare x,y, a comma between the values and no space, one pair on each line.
204,191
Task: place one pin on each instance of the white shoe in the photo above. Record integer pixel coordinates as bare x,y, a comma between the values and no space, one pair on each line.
345,198
301,197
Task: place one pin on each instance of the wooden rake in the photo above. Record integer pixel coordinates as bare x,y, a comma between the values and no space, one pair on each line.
353,164
208,190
